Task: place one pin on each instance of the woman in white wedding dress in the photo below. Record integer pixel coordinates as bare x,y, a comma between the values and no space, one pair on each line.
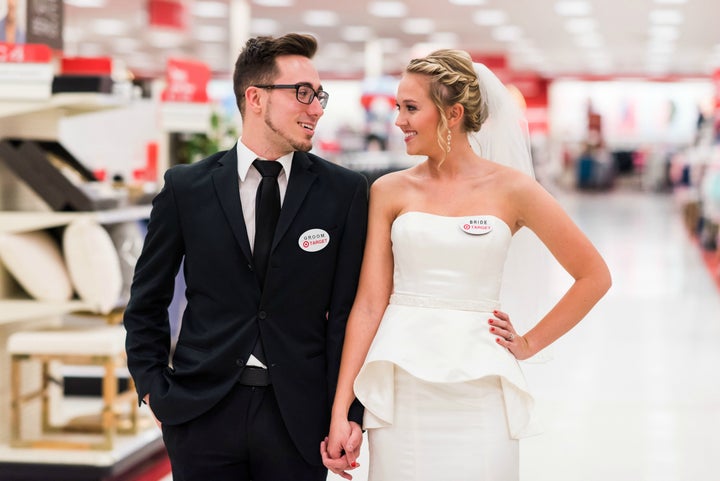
428,351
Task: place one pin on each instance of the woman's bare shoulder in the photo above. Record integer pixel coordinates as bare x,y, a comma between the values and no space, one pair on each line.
398,179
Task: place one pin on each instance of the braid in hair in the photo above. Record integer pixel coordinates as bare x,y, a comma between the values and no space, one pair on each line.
452,81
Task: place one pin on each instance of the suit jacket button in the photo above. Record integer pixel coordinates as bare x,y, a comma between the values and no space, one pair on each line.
262,315
240,362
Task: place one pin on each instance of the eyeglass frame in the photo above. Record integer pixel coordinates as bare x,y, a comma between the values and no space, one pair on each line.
321,95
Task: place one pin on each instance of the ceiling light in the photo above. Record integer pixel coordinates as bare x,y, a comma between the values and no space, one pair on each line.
87,49
580,25
320,18
109,26
264,26
448,39
210,9
126,45
600,64
390,44
573,8
336,49
356,33
598,56
274,3
164,39
661,48
523,47
589,40
470,3
489,17
86,3
72,34
507,33
422,49
663,32
666,17
210,33
418,26
388,9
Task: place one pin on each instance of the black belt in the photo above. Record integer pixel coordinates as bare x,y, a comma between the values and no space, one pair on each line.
254,376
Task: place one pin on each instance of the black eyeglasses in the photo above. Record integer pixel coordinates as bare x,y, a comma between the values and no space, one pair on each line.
304,93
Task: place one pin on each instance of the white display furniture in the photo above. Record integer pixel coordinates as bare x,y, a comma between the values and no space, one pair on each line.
21,313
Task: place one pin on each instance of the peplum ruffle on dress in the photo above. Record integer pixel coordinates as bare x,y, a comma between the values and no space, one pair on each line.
447,277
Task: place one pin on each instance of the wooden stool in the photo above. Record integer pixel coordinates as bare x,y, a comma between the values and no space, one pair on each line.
99,346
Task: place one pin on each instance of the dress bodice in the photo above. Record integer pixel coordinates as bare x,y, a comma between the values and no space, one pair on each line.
446,284
449,257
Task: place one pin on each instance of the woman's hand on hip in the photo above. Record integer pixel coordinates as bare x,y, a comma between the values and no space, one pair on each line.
506,335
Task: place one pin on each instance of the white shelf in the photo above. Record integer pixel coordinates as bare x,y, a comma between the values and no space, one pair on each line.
67,103
40,119
147,440
185,116
29,221
18,310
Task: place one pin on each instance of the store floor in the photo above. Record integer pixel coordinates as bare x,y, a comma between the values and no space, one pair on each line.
633,392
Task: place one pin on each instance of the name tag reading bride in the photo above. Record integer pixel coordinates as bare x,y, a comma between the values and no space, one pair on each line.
477,225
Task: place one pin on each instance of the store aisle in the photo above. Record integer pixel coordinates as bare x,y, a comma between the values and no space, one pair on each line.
633,392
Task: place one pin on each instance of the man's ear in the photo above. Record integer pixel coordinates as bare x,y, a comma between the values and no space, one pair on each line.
253,99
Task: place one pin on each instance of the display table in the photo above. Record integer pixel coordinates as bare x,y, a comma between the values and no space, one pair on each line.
131,456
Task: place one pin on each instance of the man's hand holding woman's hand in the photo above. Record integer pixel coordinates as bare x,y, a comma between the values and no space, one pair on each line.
341,448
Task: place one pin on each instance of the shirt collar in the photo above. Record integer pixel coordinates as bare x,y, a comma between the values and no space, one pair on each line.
246,157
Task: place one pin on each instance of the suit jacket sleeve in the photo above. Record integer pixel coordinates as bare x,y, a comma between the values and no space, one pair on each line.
344,288
146,316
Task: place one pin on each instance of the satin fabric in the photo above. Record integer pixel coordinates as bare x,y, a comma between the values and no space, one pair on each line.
446,285
445,431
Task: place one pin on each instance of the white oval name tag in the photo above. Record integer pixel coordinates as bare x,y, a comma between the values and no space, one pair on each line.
477,225
314,240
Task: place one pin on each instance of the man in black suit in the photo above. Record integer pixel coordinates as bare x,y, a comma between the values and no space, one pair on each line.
247,392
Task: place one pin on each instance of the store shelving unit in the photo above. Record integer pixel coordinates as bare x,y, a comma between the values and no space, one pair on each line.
39,120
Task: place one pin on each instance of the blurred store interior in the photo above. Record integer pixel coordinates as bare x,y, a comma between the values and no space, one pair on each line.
622,100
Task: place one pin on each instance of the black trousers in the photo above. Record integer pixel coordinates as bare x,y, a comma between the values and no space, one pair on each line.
243,438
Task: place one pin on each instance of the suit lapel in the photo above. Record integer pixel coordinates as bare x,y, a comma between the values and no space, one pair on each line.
225,180
301,178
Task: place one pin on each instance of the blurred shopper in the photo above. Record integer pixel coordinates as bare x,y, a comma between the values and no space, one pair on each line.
247,393
10,29
428,351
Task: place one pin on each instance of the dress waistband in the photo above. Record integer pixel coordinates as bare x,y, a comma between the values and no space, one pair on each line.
482,305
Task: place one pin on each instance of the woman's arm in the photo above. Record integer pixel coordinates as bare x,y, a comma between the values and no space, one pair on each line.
541,213
374,289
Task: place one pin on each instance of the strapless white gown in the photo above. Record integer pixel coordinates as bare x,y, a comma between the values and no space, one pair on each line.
434,337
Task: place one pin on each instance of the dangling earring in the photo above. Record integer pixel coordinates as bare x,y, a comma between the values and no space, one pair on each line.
449,138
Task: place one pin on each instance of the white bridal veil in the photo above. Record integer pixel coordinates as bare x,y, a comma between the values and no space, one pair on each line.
504,138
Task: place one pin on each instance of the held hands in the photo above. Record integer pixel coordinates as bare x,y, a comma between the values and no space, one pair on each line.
507,337
341,448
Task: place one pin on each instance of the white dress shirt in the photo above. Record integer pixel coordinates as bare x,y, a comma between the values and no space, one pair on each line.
249,180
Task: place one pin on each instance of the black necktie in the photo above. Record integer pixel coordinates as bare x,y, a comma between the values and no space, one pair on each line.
267,211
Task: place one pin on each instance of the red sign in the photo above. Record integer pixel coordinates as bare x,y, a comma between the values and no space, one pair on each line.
86,65
186,81
167,13
28,52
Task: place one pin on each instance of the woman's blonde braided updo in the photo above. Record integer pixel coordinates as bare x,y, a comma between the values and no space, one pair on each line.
453,80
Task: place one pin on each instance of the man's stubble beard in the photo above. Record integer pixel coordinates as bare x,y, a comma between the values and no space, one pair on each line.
296,145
